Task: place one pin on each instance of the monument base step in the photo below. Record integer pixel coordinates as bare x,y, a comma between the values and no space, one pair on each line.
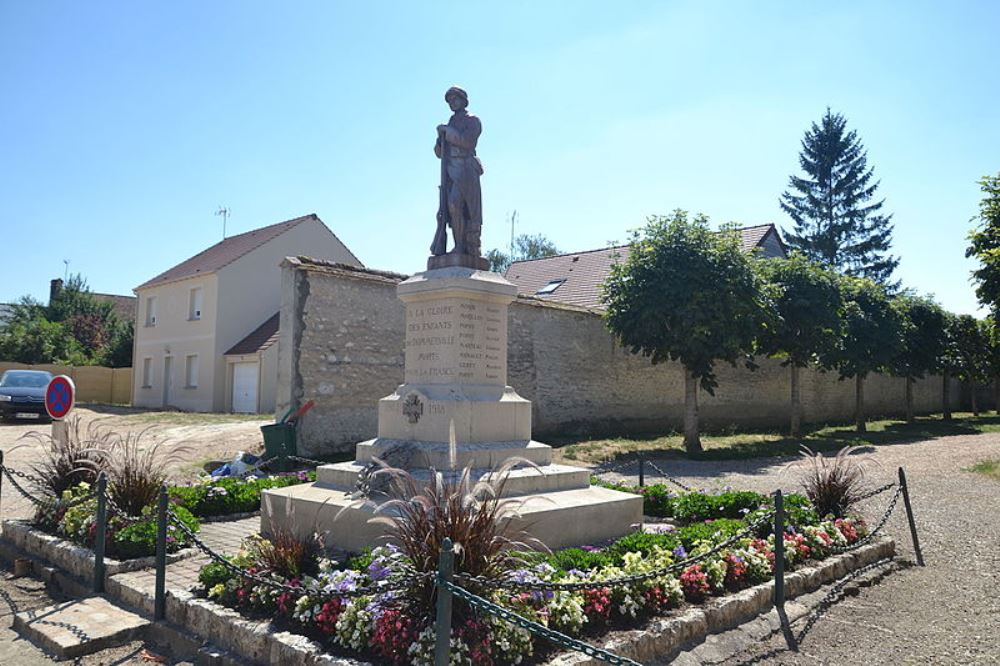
558,519
520,481
410,454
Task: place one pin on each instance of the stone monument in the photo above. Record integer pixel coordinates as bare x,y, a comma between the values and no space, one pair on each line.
455,387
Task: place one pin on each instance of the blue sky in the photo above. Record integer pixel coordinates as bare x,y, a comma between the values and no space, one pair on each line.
124,125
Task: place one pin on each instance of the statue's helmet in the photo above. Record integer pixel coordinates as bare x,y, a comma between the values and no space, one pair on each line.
455,91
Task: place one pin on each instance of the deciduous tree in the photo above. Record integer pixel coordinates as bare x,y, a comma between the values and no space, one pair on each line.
971,349
807,326
526,246
685,294
872,337
923,342
984,244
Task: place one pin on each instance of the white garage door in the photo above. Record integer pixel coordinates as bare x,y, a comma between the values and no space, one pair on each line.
245,387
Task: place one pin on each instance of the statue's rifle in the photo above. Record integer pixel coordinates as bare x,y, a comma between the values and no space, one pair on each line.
440,244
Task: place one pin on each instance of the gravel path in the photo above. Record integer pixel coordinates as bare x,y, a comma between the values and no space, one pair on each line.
945,613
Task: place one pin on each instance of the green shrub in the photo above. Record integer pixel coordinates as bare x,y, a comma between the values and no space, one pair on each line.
713,530
640,542
214,573
361,561
229,495
578,558
697,507
139,539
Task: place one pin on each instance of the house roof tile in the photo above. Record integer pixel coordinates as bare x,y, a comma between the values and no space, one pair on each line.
262,337
582,273
227,251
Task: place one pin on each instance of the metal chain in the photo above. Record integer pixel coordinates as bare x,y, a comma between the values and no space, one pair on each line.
393,586
123,514
307,461
679,484
49,503
877,491
528,586
560,639
612,467
878,528
830,596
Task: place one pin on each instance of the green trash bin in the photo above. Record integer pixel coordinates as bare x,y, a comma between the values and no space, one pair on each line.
279,440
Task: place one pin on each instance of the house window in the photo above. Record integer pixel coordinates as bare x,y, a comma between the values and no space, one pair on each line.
147,372
194,304
550,287
151,311
191,371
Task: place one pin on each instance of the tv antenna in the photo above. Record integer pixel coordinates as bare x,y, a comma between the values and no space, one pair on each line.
513,219
224,212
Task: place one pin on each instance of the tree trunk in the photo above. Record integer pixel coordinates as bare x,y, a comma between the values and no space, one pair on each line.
996,394
909,400
946,395
796,427
859,403
975,403
692,441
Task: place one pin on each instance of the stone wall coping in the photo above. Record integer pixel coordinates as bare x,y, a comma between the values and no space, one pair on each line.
342,270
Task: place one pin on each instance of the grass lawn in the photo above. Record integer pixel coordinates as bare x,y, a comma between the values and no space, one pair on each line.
990,468
730,445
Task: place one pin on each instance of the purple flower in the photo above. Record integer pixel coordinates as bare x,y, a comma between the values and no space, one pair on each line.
680,553
378,570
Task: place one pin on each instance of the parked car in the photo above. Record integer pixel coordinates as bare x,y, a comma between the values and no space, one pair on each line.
22,395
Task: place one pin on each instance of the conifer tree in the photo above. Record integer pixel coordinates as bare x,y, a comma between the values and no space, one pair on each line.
838,221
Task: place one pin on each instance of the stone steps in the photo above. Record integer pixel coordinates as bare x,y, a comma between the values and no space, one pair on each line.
559,519
521,481
80,627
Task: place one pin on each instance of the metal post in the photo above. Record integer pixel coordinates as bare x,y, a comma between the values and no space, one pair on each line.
909,517
101,532
160,600
1,472
442,628
642,471
779,550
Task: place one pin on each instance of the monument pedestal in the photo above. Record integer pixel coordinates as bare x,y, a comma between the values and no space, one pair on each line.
455,387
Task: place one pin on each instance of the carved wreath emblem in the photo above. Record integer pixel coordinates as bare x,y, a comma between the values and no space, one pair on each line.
413,408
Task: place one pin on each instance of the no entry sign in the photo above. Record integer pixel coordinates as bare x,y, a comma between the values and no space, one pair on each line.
59,397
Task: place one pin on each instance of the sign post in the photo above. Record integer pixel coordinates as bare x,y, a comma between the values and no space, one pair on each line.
60,396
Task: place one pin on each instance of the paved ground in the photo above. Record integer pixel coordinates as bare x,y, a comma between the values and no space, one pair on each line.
945,613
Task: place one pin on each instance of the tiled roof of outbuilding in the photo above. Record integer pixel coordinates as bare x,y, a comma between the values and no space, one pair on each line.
263,337
583,273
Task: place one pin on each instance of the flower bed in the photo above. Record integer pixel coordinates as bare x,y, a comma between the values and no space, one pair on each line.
125,538
397,627
231,495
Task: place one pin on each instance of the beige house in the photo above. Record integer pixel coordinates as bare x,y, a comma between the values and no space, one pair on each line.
206,330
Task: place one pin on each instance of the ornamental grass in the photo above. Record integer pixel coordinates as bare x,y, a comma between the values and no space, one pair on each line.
836,484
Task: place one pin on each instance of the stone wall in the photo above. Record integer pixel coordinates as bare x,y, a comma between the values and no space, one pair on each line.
342,346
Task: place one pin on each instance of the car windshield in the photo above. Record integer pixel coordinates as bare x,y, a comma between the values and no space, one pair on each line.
24,379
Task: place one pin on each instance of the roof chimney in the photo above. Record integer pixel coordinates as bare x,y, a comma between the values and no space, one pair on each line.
55,286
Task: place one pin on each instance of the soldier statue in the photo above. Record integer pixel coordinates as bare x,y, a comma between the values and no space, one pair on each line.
460,205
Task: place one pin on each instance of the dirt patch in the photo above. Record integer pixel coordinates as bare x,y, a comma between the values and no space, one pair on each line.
189,439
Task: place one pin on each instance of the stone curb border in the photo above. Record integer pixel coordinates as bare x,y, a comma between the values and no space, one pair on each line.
228,517
257,642
665,637
71,557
